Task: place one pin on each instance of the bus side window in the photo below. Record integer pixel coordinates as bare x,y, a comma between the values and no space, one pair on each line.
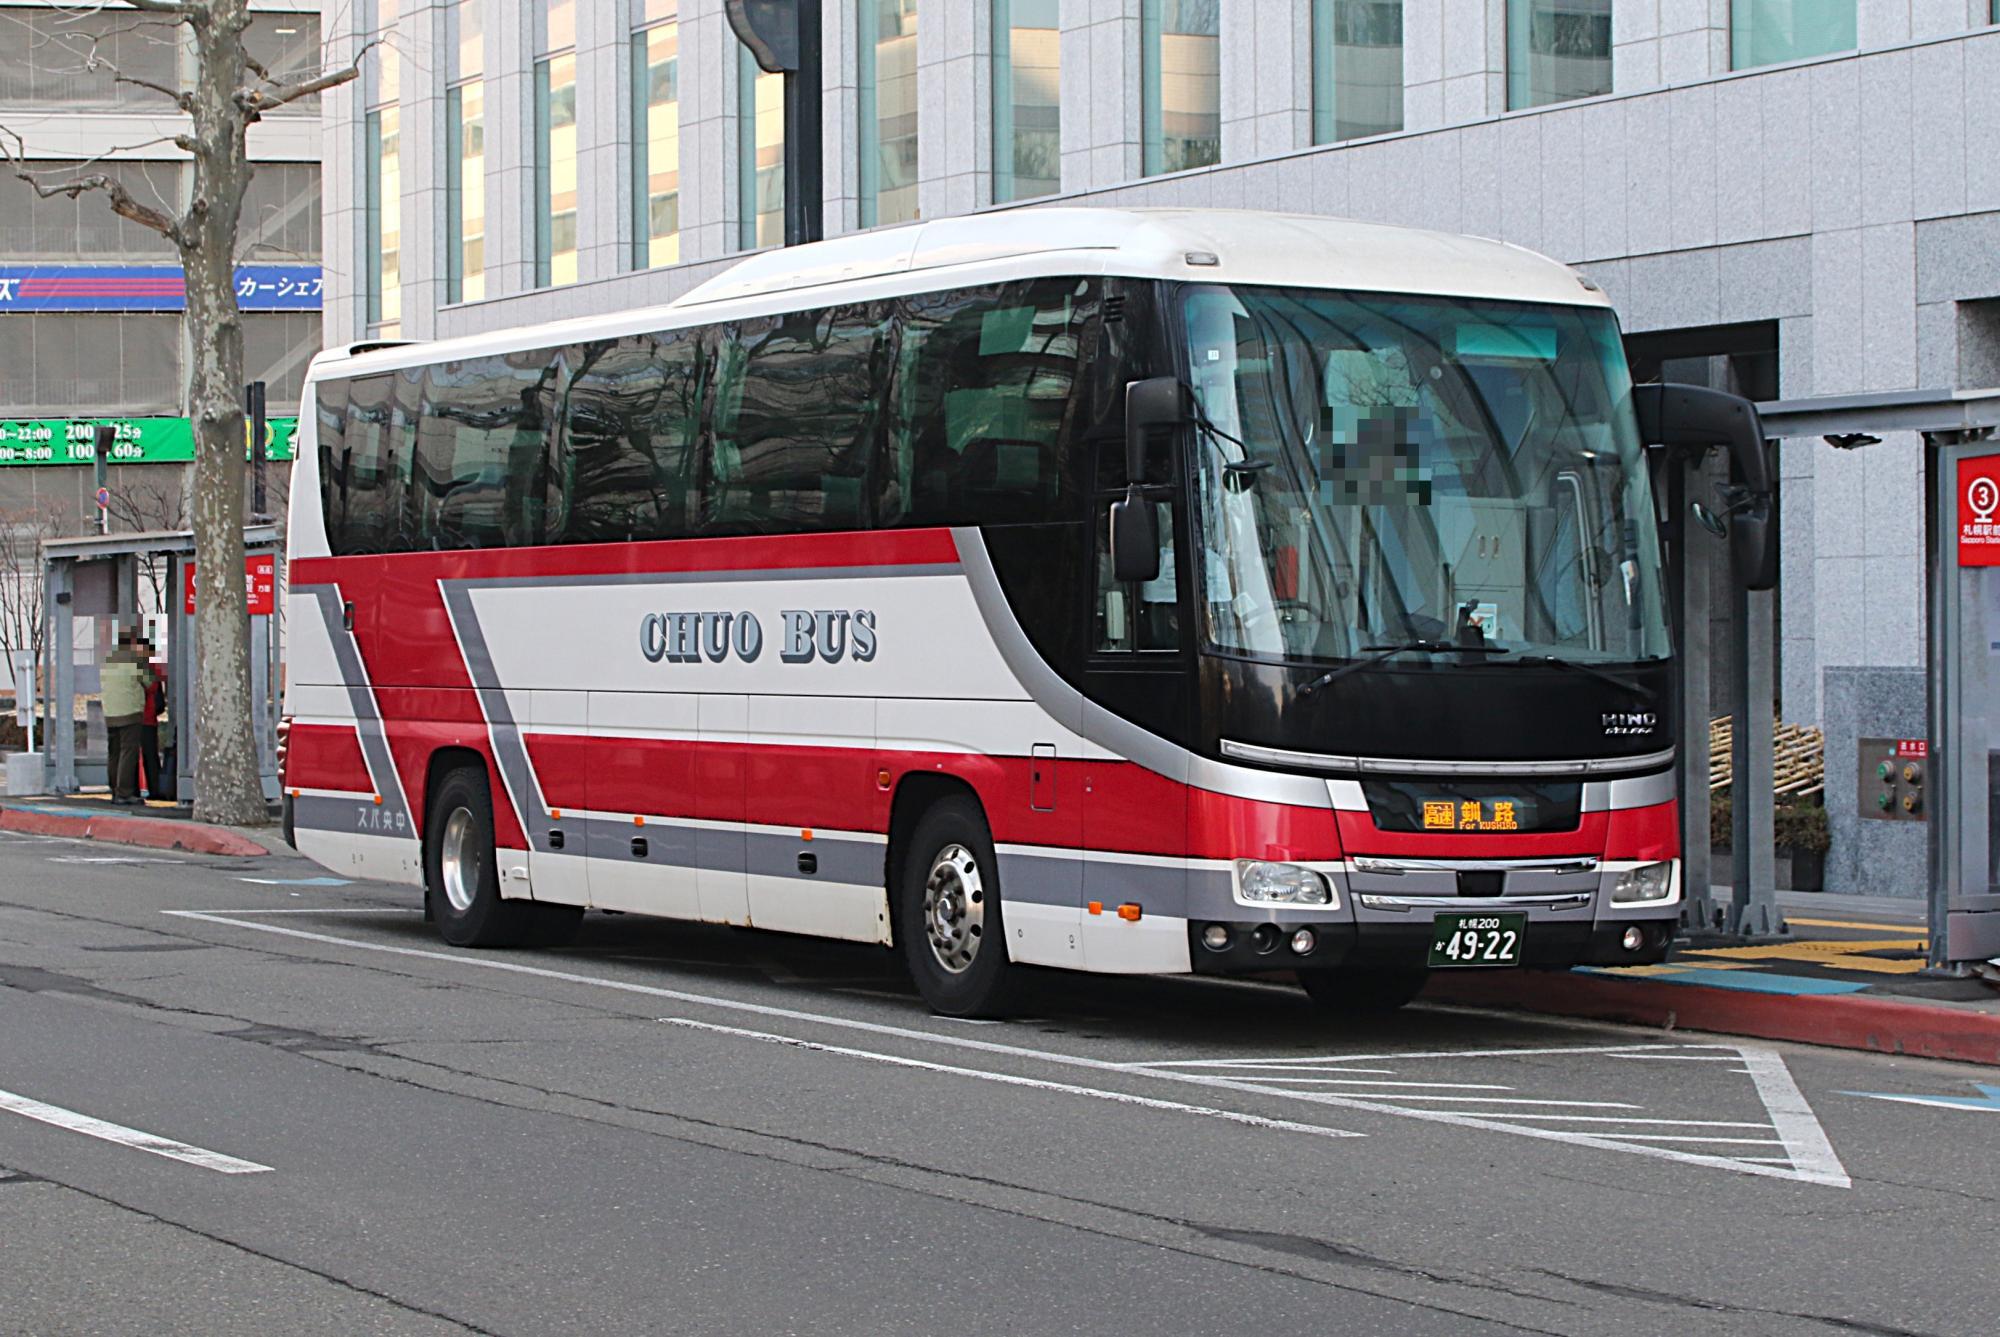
985,403
479,445
330,417
373,492
795,425
628,438
1136,615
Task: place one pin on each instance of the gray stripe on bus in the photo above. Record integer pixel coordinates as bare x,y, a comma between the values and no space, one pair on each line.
510,753
361,700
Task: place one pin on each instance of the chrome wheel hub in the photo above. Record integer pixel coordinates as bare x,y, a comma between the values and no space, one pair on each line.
954,908
460,861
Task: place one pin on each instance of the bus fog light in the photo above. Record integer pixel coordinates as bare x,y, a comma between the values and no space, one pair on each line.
1647,882
1304,941
1215,937
1264,938
1280,884
1634,939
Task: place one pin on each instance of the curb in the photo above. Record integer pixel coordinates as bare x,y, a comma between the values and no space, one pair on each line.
149,832
1883,1025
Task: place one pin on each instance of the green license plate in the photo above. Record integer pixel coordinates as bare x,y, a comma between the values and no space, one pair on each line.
1477,940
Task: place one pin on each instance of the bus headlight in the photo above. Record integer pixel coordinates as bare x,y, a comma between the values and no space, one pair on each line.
1280,884
1647,882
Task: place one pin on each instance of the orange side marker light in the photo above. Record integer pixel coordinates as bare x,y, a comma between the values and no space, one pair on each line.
805,835
1096,907
1130,912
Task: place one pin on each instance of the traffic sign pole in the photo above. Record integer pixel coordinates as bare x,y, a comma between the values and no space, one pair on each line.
107,437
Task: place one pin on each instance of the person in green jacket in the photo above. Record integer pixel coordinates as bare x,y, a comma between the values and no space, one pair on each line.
127,677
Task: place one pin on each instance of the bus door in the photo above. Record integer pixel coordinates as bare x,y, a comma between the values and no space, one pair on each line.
642,777
1134,818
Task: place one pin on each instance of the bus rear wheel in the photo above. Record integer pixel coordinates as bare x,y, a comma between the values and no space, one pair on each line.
1363,992
462,875
948,915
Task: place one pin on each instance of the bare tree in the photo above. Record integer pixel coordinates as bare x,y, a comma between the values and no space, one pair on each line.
22,533
231,91
152,502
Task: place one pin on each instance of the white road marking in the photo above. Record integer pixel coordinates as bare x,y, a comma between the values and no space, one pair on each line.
130,1137
1824,1169
1495,1100
1748,1141
1363,1081
1805,1140
1294,1060
1626,1118
105,858
1009,1079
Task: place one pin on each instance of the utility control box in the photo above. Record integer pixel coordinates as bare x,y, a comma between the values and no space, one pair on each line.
1894,775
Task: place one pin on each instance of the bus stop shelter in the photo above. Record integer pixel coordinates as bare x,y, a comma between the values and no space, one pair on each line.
1954,781
90,589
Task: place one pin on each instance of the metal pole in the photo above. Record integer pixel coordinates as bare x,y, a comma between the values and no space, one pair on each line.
253,410
1943,823
105,438
1689,589
1753,902
805,177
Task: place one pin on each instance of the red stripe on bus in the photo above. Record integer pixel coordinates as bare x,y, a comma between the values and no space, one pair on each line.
791,552
326,756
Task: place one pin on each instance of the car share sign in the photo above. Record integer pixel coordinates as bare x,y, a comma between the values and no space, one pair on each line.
1979,511
260,584
150,288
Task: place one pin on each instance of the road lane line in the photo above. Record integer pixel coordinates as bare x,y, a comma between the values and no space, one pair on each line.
1805,1140
1746,1141
1491,1100
1827,1171
59,1117
1363,1081
1623,1118
1009,1079
1292,1061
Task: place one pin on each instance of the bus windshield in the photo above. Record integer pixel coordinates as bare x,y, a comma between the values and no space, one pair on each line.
1378,471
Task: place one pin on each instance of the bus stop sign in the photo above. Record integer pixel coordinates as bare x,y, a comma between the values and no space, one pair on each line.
1979,511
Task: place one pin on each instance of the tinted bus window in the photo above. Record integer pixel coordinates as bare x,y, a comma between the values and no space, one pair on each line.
479,453
625,458
330,418
987,401
796,415
376,444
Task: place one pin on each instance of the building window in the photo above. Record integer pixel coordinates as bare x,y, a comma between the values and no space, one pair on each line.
1769,32
1357,64
60,228
760,154
555,143
66,57
1027,99
382,185
288,45
656,136
465,158
1181,77
280,221
886,88
1557,51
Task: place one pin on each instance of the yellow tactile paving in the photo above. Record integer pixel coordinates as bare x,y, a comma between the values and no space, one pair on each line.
1834,955
1855,923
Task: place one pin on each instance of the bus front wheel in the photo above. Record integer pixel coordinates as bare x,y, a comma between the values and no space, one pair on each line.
948,915
462,875
1350,992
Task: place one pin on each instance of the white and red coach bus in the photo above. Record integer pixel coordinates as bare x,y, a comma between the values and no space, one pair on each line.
1125,591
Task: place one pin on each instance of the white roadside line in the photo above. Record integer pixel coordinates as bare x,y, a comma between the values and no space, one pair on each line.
1009,1079
1363,1081
1341,1060
1805,1141
1825,1170
129,1137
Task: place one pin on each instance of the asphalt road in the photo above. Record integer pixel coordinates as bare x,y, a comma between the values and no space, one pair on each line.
313,1117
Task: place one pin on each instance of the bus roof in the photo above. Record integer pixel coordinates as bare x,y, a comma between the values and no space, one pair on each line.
1191,245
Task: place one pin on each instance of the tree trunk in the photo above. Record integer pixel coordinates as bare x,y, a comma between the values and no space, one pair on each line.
228,787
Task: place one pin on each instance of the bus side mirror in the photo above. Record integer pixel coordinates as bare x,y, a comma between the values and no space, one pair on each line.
1135,537
1152,407
1694,418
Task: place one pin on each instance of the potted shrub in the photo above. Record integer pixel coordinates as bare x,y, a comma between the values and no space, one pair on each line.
1800,831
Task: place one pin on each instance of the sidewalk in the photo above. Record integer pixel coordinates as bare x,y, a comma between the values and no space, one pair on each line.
161,826
1850,975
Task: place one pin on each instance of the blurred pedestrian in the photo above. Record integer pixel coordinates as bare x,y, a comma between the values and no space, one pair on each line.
125,679
149,731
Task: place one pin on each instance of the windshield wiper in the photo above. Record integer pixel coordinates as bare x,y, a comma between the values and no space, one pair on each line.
1591,670
1379,653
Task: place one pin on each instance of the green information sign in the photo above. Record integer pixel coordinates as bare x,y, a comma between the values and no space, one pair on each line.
140,440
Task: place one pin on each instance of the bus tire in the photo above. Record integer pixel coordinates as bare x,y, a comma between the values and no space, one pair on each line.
948,914
462,870
1363,992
